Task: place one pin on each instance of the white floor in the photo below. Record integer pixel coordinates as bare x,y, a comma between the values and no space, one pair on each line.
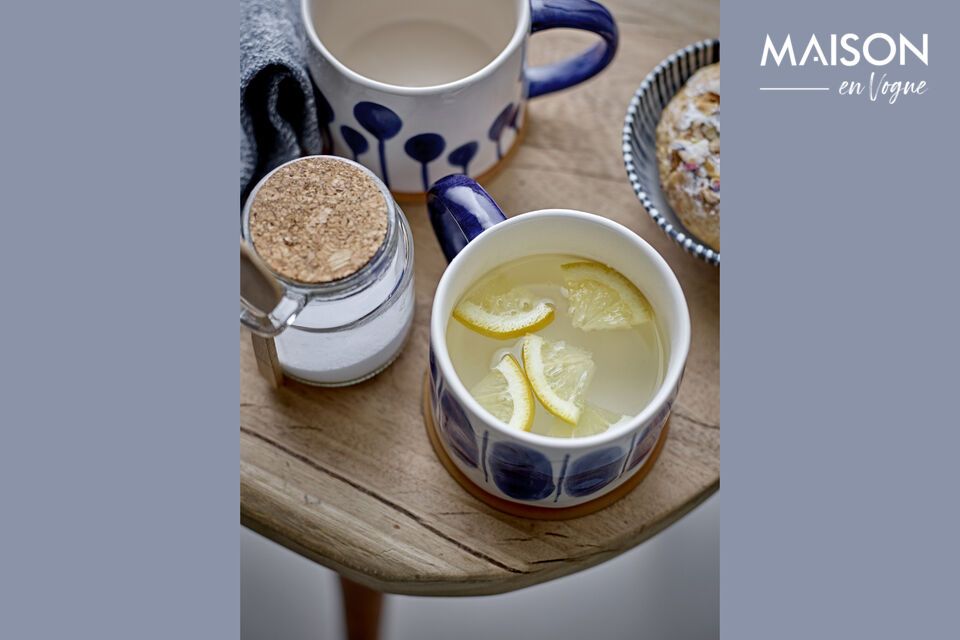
666,589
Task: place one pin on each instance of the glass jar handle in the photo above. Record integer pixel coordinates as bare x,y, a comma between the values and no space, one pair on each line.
460,210
266,306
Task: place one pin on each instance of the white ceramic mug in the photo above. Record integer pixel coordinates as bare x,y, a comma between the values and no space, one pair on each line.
419,89
523,467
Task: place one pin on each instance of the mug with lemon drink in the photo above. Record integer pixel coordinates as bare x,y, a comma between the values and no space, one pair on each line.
558,341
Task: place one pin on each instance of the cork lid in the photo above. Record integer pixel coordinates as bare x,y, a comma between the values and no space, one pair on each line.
317,220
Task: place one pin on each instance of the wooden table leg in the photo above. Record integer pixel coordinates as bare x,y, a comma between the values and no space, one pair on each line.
361,610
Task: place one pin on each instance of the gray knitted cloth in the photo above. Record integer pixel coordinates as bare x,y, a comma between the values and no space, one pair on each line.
280,110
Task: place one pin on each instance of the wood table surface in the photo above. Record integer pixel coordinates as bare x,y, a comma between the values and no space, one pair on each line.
347,477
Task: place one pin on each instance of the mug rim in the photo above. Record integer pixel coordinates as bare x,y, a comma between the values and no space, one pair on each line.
519,34
679,344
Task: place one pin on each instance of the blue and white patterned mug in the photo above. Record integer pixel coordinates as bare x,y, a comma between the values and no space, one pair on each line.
390,101
523,467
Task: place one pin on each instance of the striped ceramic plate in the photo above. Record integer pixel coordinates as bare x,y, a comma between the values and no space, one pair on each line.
639,138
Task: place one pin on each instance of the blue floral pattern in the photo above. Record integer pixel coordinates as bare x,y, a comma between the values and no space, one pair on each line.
355,140
425,148
462,155
563,474
521,472
483,456
594,471
499,124
382,123
649,436
525,473
456,430
324,117
434,371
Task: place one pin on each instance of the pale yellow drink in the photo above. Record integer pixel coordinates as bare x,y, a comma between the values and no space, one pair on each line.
629,363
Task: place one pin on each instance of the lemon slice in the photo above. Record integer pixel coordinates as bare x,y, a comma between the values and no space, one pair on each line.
559,374
601,298
595,420
510,314
505,393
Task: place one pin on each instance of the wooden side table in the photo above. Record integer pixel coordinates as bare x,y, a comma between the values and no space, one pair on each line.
347,478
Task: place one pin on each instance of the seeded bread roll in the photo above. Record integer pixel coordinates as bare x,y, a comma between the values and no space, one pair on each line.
688,153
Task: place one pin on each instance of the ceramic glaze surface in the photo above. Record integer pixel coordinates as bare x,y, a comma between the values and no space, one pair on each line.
547,476
355,140
462,155
647,438
379,129
593,471
518,466
463,108
457,431
407,53
520,472
425,148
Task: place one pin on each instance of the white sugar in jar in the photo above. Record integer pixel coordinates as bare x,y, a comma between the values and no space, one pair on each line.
340,247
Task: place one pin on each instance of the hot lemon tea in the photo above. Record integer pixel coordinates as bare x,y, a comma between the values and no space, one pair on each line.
558,345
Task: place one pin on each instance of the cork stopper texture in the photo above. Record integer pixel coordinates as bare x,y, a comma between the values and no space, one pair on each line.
318,220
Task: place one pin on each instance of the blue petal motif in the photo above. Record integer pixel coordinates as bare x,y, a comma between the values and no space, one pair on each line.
455,427
563,474
649,437
499,124
463,155
425,148
515,118
434,382
383,124
483,456
324,110
521,472
438,392
355,140
324,117
593,471
646,445
434,369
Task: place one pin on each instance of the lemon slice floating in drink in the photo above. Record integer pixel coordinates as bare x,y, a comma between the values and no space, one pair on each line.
505,393
559,374
601,298
504,314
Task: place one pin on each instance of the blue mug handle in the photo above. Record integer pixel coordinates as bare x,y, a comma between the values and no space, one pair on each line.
460,210
572,14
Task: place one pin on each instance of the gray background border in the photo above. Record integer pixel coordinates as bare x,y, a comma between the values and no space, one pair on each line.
839,315
118,462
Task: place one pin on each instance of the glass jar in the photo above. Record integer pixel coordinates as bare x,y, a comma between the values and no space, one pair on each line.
344,331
